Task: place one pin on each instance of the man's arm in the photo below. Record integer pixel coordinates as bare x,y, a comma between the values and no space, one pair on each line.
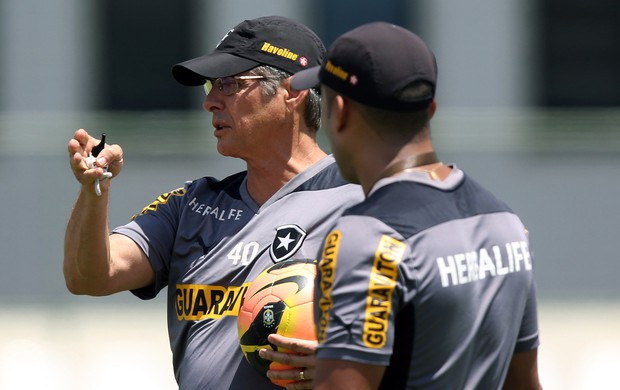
318,374
301,357
96,263
523,372
346,375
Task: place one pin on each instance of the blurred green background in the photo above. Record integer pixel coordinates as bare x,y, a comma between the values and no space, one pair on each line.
528,104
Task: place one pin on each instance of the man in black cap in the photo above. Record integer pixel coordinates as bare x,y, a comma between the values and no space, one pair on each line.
207,241
428,283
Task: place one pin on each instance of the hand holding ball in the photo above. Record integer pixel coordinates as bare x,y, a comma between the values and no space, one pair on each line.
279,300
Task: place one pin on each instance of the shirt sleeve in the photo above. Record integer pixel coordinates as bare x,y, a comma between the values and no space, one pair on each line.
358,292
154,231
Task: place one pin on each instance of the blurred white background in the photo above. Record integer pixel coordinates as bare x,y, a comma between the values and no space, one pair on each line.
529,97
102,346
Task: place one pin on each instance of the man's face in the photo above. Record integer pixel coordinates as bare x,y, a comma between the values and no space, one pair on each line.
246,122
332,120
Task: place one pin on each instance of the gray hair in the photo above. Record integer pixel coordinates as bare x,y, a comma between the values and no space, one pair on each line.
312,113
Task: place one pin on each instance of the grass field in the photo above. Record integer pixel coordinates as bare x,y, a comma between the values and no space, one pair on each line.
102,346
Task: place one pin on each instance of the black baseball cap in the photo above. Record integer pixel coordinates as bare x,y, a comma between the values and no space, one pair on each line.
371,64
270,40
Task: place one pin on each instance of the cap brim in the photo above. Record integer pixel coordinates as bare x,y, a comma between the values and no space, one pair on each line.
308,78
195,71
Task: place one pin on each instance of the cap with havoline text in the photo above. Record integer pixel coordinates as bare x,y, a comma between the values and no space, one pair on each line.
372,64
270,40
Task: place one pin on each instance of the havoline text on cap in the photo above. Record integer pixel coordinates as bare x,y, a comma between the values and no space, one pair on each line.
372,64
271,40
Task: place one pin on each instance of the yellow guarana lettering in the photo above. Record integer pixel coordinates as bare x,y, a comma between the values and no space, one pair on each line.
389,254
327,267
195,302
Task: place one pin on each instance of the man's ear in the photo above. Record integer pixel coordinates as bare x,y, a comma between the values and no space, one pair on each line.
294,96
341,111
431,109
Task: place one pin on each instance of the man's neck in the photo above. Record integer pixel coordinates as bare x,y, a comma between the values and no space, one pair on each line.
265,179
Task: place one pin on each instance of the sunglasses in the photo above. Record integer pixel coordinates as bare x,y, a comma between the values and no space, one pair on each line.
228,85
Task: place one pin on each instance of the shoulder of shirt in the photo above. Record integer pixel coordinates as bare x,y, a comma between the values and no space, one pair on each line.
230,184
410,206
328,177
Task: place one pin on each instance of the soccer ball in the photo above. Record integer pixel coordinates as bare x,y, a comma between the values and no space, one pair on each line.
279,300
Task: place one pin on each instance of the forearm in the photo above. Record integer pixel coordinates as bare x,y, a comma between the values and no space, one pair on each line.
344,375
523,372
86,264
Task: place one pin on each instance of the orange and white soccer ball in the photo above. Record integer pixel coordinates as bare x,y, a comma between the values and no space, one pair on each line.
279,300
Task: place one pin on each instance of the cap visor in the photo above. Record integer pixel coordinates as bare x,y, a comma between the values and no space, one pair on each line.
305,79
195,71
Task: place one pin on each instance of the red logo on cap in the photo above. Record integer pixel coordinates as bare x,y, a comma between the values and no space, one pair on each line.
303,61
353,79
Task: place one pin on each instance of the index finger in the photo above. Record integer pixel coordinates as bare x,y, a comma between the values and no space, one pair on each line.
82,137
306,347
80,142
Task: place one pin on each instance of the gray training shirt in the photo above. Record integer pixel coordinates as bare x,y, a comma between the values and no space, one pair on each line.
207,241
431,278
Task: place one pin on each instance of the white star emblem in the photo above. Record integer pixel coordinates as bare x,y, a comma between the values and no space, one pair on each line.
303,61
353,79
285,241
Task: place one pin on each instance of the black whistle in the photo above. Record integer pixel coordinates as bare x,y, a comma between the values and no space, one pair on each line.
97,149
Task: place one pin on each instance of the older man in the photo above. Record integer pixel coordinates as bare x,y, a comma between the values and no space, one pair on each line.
206,241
